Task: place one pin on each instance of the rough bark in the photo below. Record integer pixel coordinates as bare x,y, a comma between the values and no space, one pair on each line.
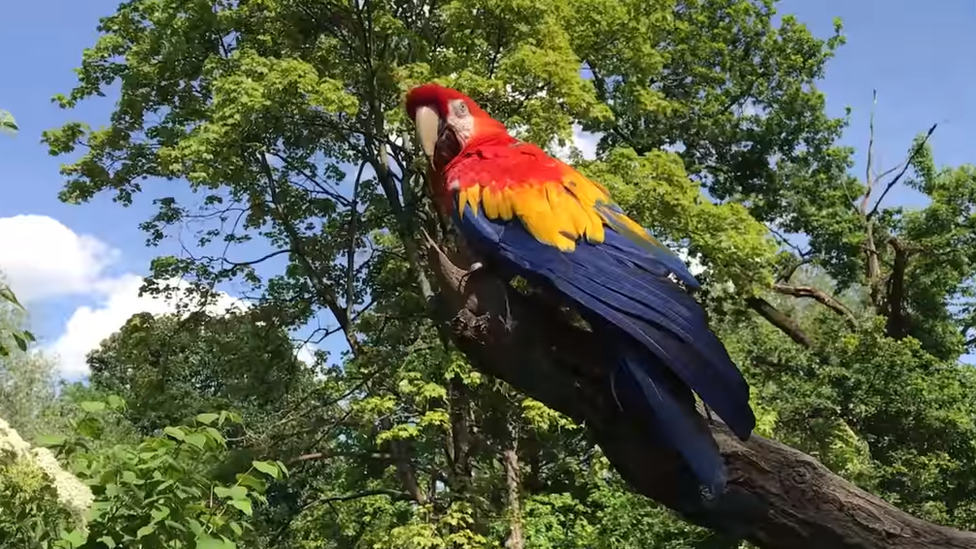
777,497
460,437
510,461
779,319
897,326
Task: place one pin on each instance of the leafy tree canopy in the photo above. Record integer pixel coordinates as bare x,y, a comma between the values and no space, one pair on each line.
284,119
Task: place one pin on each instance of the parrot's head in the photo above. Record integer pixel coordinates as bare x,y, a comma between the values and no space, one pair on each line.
447,121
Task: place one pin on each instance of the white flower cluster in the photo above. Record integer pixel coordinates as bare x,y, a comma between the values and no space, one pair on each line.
73,494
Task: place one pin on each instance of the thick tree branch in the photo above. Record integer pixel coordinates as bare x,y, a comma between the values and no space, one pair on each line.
777,497
779,319
821,297
897,325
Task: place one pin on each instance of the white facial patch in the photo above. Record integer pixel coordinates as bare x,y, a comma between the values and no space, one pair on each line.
460,120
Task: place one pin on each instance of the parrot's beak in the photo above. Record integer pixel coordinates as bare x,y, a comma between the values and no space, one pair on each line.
428,125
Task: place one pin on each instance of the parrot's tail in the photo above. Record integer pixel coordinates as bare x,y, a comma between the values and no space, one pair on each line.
669,407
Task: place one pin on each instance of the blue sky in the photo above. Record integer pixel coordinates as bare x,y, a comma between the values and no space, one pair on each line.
74,260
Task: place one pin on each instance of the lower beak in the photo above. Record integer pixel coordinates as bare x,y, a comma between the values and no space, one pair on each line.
428,125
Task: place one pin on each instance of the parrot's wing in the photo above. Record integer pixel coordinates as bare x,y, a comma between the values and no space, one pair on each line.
555,203
569,233
621,284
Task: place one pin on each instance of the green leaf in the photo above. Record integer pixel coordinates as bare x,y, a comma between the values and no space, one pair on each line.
159,513
233,492
281,467
7,122
130,477
20,341
51,440
195,526
267,468
252,481
244,505
208,542
197,439
215,435
175,525
75,538
145,531
6,294
207,418
108,541
92,406
175,432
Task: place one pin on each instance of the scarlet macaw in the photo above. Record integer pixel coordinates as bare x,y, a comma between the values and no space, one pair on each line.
525,213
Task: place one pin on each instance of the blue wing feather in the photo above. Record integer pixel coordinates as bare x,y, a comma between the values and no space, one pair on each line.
623,286
648,380
655,256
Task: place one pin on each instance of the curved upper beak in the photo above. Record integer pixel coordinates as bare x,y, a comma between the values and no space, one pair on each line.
428,126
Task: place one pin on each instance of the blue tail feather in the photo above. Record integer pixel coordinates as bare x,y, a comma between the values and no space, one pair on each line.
624,290
674,416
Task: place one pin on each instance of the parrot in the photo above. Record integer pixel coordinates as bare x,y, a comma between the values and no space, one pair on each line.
524,213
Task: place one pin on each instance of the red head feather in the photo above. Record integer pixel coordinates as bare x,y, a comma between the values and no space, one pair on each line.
438,97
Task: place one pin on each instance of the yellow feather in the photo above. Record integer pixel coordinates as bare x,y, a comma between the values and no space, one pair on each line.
557,213
474,197
490,201
505,204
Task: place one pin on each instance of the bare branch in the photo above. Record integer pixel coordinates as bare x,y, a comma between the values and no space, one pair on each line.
821,297
911,158
869,168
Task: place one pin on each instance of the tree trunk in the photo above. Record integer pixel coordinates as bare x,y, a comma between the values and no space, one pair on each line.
777,497
460,436
510,461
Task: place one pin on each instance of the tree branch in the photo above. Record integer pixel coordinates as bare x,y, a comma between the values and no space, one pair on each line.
779,319
777,497
872,267
904,168
392,494
897,326
821,297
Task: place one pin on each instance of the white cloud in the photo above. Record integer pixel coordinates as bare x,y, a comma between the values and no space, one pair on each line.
583,141
44,259
117,300
306,353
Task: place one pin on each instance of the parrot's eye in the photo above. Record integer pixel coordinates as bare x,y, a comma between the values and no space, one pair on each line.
459,108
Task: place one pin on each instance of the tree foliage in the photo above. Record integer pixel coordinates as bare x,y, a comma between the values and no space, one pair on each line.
274,130
170,369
